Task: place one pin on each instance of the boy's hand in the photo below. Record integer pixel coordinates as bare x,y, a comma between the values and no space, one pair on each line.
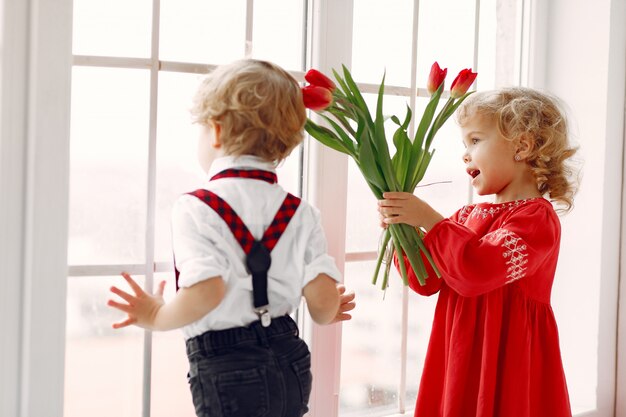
142,308
398,207
346,303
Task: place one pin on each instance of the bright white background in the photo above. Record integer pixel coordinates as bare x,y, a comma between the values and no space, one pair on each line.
584,67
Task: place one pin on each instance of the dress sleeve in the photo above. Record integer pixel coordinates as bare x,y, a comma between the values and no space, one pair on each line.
472,264
194,241
433,283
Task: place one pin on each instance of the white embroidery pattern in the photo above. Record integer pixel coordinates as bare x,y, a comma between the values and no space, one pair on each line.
465,212
496,208
514,252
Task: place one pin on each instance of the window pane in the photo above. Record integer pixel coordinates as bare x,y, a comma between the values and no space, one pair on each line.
278,32
381,41
112,28
370,366
445,35
178,170
421,311
103,366
203,31
109,139
170,390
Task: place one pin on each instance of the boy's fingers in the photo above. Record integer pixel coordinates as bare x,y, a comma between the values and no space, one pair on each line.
124,307
161,288
342,317
136,288
348,297
123,294
124,323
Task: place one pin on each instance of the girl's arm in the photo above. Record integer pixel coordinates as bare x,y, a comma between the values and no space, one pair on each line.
151,312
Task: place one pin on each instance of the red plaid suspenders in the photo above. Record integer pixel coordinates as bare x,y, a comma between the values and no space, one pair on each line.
258,258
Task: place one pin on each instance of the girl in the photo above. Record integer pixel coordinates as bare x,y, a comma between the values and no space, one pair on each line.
494,346
246,252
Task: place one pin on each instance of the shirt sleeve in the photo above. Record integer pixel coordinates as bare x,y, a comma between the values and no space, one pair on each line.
316,258
195,243
474,265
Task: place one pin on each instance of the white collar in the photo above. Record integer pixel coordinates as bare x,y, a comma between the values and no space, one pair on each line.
242,161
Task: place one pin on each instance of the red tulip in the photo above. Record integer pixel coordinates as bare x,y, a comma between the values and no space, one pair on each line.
436,78
314,77
462,82
316,97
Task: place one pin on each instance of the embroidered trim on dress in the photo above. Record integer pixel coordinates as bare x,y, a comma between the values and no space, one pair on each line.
514,252
483,212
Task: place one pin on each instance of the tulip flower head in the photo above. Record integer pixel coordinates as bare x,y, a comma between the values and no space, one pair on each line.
436,78
462,83
314,77
316,98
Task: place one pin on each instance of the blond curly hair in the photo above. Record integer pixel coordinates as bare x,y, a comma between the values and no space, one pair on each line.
525,112
258,106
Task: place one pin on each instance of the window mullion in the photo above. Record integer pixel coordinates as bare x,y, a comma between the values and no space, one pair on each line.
151,200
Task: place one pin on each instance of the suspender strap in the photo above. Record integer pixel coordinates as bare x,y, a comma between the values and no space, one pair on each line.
258,258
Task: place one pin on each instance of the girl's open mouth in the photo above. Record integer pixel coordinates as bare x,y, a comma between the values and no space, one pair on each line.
473,172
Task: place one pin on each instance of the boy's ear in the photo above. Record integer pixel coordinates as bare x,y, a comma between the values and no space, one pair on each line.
217,135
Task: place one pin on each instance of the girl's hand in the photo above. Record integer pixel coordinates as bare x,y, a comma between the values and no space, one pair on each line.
142,308
346,303
398,207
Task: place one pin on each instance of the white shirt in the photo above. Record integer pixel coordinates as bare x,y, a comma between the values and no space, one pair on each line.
204,246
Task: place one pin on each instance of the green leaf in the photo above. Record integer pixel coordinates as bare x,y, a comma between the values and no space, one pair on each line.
368,165
427,117
356,94
381,254
343,136
325,136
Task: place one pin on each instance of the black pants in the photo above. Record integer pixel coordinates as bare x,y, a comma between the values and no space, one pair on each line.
250,371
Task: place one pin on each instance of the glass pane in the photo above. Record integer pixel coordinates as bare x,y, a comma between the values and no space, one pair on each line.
487,52
109,139
446,35
103,366
170,391
112,28
203,31
371,389
385,48
421,311
178,170
278,33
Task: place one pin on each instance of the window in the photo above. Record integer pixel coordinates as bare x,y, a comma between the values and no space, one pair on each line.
136,65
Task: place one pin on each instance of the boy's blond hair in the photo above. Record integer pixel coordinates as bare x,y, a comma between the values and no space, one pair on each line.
257,105
525,112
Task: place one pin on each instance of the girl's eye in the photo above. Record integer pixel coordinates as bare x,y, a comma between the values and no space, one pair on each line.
475,141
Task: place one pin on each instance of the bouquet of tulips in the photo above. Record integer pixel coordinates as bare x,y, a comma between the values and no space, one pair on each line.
353,130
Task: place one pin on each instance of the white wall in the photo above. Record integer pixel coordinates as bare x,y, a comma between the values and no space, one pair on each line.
585,54
35,61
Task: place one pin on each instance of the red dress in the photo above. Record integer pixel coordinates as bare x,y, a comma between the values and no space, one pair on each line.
494,347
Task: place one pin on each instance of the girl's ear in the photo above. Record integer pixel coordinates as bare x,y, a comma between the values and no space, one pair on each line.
525,146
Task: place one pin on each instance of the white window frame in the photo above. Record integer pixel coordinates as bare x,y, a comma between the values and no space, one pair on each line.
34,163
34,148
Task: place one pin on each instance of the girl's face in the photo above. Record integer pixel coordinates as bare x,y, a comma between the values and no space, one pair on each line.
209,146
490,160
